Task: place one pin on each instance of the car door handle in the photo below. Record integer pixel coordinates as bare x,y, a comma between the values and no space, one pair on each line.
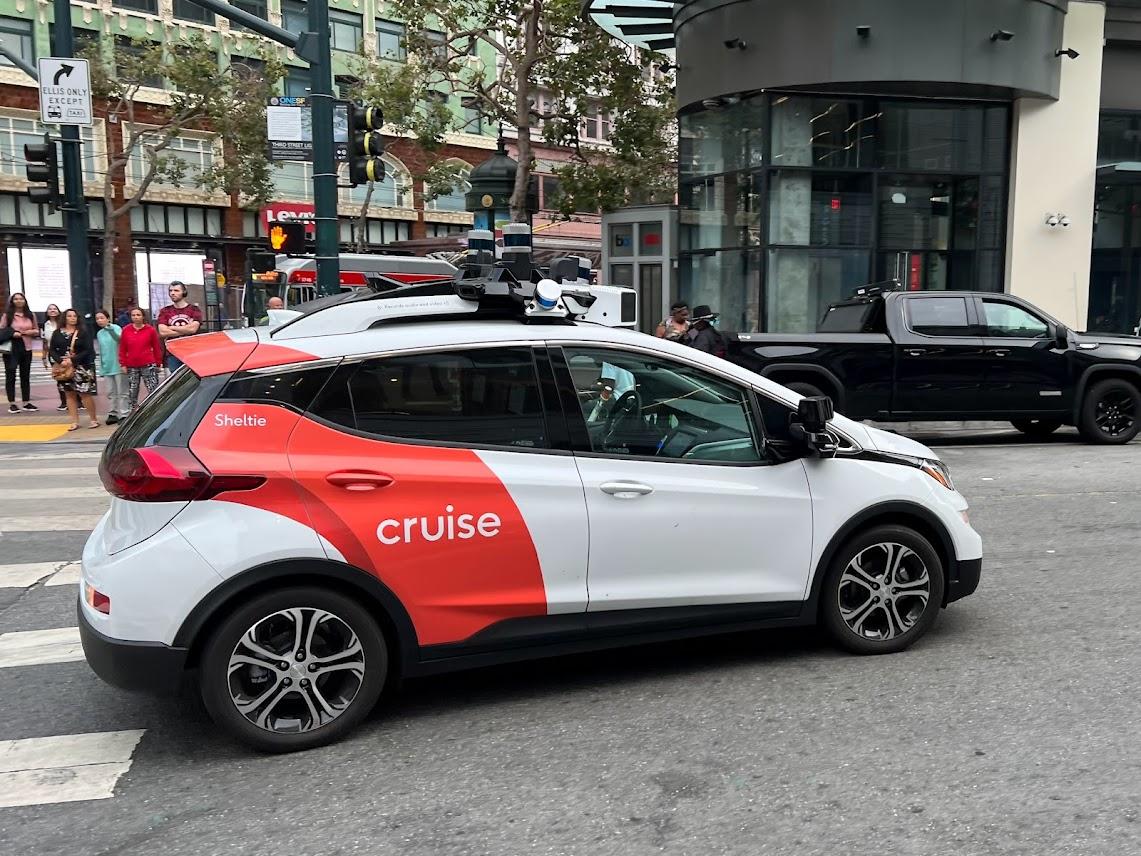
357,480
915,352
999,352
625,489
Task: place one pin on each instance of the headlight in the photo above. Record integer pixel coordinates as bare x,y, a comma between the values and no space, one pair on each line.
934,468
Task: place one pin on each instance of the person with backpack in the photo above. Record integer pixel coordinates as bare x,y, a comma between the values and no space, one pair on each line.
702,334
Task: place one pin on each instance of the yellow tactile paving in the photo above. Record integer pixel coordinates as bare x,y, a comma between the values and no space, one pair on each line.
31,433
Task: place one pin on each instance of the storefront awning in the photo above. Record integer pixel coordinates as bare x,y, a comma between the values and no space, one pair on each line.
644,23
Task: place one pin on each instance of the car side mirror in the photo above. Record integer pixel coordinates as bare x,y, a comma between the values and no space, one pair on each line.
1061,337
811,425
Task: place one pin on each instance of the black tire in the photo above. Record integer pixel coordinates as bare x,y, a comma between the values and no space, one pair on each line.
911,619
1037,427
1111,412
805,389
358,694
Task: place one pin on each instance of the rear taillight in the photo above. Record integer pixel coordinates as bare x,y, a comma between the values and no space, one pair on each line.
96,599
167,474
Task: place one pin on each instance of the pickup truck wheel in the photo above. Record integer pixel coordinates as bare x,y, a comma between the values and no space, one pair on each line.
883,591
805,389
1037,427
1110,412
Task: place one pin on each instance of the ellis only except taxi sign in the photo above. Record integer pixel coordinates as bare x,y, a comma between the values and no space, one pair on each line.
65,91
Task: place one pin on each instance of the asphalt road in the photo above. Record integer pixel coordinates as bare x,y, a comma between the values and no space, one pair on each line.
1011,729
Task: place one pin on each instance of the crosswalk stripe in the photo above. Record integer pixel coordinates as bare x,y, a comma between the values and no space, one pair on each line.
48,472
52,456
64,523
30,573
40,647
66,768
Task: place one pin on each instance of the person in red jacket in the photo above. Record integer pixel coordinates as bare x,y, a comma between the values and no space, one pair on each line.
140,353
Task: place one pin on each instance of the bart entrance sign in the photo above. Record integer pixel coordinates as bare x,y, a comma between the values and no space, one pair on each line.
65,91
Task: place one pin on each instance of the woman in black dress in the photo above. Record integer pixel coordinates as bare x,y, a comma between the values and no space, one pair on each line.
72,347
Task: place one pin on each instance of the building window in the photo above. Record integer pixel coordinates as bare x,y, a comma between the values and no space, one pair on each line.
188,10
125,46
195,153
390,40
438,44
297,82
16,131
789,202
16,36
295,16
549,191
595,125
393,191
293,181
473,116
85,40
455,200
347,30
148,6
254,7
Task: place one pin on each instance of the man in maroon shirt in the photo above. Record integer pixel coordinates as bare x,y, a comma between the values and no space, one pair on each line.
177,320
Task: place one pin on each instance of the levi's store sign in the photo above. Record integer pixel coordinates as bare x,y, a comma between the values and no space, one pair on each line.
305,212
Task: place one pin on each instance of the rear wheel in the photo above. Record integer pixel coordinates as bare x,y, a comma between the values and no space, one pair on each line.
883,591
1110,412
293,669
1037,427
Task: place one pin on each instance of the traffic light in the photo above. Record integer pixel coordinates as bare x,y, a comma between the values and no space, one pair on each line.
365,145
287,236
261,262
43,168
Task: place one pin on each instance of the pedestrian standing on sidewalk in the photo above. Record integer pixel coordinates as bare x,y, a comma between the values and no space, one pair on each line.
176,320
72,354
18,354
52,321
140,353
108,338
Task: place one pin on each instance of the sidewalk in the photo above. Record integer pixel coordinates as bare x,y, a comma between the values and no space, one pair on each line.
47,423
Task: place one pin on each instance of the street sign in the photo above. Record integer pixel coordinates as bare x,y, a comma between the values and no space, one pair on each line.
289,129
65,91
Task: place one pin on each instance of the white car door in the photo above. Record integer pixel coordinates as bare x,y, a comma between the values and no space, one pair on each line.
686,505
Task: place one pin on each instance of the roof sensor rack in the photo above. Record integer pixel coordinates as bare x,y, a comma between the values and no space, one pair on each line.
875,289
482,287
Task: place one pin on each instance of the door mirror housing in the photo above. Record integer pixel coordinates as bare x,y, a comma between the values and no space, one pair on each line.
810,426
1061,337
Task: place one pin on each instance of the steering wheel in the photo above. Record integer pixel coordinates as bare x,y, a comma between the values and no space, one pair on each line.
628,404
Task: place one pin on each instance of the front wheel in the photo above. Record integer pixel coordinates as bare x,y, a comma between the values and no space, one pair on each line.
883,591
1110,412
293,669
1037,427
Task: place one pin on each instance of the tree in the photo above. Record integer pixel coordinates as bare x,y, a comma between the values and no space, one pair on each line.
226,102
398,88
551,67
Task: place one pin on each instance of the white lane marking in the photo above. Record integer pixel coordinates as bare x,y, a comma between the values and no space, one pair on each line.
52,456
68,575
73,493
40,647
25,575
62,523
67,768
38,472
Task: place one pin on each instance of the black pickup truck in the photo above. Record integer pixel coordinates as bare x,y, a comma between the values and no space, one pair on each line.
943,355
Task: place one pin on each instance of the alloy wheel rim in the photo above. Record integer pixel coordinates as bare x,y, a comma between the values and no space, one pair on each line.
884,591
296,670
1115,413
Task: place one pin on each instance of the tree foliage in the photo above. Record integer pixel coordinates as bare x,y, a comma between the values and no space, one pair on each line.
550,67
200,96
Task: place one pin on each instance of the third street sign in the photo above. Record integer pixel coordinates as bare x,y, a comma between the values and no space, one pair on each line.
65,91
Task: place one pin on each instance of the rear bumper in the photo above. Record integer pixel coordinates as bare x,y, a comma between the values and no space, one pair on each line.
966,580
141,666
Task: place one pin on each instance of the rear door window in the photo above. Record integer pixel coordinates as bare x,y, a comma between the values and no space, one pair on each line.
938,316
472,397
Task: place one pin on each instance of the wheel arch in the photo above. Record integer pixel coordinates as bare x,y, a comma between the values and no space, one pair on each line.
1093,374
784,373
346,579
899,513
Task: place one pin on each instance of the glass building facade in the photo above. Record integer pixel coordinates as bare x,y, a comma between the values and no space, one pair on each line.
1115,272
788,202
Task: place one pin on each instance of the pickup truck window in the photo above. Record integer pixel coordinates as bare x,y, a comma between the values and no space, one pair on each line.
938,316
851,318
1009,321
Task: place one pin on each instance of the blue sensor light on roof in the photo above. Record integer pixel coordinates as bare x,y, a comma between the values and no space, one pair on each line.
547,294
